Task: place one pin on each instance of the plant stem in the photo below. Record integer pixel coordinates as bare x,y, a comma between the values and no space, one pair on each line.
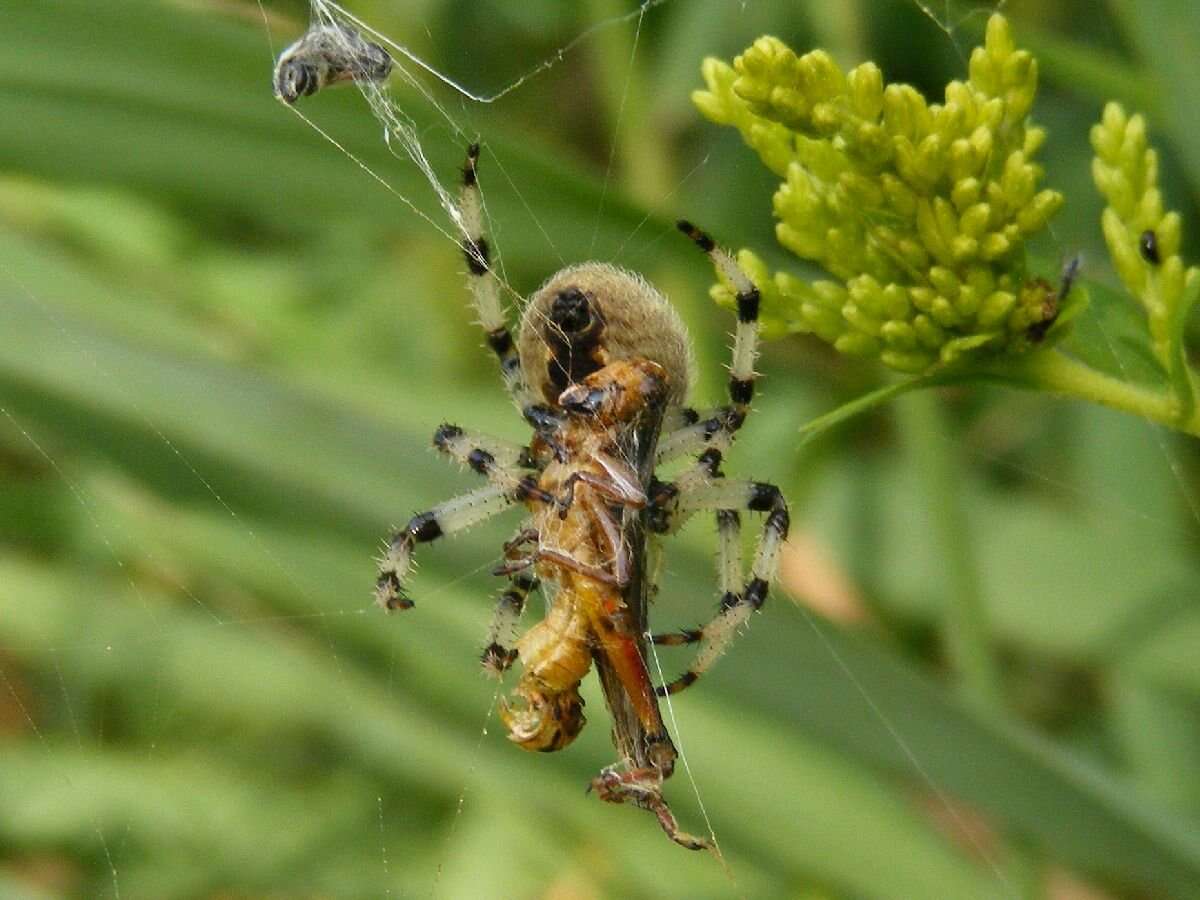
1056,372
965,628
859,405
1049,371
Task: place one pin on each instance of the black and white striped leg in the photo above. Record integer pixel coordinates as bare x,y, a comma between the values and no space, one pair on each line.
737,601
729,577
501,649
745,341
485,288
453,515
665,515
502,462
654,565
697,431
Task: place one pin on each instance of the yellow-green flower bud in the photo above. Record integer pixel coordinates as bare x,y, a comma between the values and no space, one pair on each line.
1143,240
919,211
996,309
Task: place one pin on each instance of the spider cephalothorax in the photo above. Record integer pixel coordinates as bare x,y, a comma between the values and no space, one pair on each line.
600,369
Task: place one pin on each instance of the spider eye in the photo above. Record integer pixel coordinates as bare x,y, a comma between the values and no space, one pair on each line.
571,311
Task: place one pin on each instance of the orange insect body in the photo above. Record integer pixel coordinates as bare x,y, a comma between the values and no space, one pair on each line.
581,550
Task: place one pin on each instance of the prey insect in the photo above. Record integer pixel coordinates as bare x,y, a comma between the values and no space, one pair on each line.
327,55
600,369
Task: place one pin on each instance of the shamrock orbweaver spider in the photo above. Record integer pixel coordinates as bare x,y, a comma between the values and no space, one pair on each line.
600,369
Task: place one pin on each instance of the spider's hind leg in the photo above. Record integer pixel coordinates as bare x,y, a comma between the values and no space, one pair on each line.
738,600
501,651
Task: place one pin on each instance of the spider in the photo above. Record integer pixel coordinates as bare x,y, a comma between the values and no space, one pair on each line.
600,370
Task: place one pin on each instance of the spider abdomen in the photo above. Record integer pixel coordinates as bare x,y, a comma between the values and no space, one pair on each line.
589,315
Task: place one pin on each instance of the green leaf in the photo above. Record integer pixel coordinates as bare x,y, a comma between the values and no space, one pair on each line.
1111,336
1159,733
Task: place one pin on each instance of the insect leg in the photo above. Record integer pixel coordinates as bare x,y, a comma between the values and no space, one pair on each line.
596,573
623,490
643,788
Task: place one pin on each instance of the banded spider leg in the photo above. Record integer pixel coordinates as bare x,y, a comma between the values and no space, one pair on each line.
702,486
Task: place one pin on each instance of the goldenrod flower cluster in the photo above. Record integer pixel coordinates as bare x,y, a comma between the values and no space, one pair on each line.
1143,240
919,211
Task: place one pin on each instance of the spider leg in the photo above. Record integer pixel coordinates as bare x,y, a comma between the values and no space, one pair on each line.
668,517
453,515
501,651
694,431
485,288
729,575
503,462
737,601
697,431
654,565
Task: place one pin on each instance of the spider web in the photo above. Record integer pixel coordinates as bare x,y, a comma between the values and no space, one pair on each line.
151,637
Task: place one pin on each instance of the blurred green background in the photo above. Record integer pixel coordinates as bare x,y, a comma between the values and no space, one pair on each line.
224,348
